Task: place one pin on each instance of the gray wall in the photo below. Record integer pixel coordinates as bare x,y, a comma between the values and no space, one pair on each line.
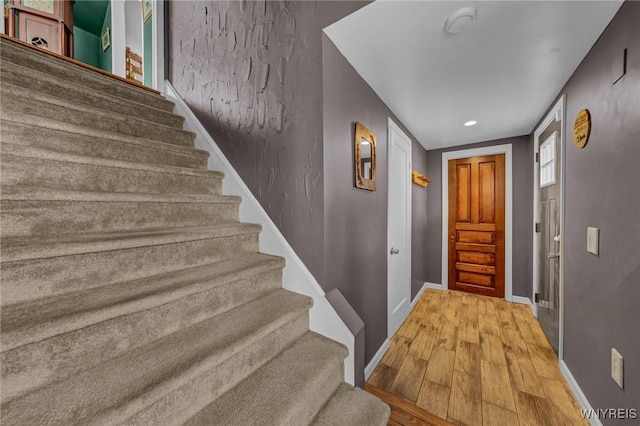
522,211
252,73
603,190
355,220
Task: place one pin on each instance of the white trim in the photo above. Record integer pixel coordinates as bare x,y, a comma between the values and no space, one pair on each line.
157,44
419,295
323,318
425,286
522,300
434,286
368,370
557,112
118,38
391,126
577,392
505,149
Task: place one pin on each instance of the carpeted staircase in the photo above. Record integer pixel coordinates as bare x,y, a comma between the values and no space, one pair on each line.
131,293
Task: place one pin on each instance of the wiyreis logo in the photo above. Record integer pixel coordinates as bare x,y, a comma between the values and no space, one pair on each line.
609,413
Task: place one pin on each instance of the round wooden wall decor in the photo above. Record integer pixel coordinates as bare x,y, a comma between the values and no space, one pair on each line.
582,128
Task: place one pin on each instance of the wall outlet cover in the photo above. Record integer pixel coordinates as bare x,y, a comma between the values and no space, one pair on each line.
617,367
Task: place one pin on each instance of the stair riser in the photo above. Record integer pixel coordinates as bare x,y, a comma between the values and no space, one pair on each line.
71,73
186,401
33,279
46,173
28,367
100,121
24,218
42,83
91,146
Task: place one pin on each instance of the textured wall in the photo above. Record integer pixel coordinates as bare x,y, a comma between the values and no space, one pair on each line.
355,221
522,211
603,190
252,73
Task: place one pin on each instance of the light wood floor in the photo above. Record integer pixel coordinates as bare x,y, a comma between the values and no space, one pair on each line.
477,361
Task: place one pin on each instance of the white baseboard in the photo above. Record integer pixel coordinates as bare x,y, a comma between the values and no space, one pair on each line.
522,300
323,319
368,370
422,290
433,286
577,392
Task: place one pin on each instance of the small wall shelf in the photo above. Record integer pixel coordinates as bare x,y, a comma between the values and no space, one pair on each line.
419,179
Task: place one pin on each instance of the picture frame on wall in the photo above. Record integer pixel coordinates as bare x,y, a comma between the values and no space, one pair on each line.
105,39
147,7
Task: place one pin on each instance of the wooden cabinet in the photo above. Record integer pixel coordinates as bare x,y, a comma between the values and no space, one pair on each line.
44,23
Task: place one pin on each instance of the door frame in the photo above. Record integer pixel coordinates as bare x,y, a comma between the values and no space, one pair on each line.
118,41
505,149
557,112
392,126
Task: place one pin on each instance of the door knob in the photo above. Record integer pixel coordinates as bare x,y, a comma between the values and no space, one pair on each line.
552,255
394,251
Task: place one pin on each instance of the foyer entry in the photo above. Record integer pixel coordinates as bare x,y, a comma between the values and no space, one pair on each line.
476,224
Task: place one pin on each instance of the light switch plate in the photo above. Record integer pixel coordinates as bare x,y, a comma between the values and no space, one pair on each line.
617,367
593,240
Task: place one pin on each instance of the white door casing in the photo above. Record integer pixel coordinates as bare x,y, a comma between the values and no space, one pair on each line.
120,39
398,227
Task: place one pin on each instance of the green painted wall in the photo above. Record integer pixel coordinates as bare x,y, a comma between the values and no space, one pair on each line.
86,47
147,56
105,57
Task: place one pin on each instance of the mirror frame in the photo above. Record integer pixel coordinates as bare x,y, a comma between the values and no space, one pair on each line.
364,133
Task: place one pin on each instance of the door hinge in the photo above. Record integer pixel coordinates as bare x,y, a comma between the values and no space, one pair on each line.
537,157
537,226
537,297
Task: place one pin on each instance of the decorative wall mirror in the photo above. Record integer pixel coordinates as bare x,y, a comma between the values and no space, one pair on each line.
365,158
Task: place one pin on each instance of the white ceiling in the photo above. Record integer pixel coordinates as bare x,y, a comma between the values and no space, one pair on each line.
504,71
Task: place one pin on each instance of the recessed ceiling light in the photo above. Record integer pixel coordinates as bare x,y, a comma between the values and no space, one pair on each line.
471,123
460,20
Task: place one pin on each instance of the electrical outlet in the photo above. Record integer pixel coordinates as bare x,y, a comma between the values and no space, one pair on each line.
617,367
593,240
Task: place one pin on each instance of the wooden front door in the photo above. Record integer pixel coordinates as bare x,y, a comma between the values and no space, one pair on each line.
476,225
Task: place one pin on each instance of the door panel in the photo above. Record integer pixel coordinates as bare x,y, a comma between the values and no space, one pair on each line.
476,225
549,252
399,222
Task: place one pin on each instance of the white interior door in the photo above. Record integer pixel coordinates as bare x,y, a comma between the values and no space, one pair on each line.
399,231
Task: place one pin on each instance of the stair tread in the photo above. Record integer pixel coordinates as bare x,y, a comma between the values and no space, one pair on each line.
118,388
22,193
9,89
32,76
32,321
264,397
36,247
45,154
354,407
48,123
62,64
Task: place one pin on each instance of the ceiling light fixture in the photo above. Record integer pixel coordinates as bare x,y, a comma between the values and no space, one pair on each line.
470,123
460,20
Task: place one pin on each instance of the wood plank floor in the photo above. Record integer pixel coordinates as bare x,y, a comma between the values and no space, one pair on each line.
477,361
